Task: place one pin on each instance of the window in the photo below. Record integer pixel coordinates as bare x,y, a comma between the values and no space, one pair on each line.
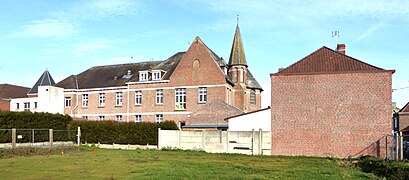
85,100
67,102
138,97
159,96
181,124
156,75
143,76
101,100
18,105
101,118
118,99
26,106
35,105
252,96
118,118
84,117
241,75
202,95
159,118
180,96
138,118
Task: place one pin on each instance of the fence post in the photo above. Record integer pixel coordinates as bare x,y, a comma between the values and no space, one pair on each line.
13,137
51,137
260,142
401,146
78,136
396,146
159,146
33,137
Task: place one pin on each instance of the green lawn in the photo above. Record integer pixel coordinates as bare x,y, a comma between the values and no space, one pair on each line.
153,164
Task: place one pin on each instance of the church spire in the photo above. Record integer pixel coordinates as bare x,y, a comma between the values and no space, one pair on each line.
237,56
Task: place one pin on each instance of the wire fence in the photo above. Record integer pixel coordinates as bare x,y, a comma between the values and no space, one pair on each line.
27,137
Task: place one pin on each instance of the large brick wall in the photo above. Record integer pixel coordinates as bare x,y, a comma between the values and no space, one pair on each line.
337,115
4,105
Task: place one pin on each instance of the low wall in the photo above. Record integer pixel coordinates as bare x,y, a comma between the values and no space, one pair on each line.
243,142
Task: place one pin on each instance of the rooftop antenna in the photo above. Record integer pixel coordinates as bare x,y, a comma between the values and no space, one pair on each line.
336,35
237,19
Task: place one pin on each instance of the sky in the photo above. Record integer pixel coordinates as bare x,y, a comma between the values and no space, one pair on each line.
69,36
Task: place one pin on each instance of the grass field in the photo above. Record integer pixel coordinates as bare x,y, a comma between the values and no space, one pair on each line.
153,164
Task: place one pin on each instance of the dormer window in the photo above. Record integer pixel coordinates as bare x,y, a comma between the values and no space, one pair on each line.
156,75
143,76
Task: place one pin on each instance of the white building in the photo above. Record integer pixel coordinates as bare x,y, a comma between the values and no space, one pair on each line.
255,120
42,97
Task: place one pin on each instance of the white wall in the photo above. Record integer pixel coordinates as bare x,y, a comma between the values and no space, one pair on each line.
21,101
248,122
51,99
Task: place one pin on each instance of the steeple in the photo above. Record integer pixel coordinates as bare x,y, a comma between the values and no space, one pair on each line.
44,80
237,56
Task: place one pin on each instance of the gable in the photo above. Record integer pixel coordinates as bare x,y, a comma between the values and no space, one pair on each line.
198,66
326,60
214,112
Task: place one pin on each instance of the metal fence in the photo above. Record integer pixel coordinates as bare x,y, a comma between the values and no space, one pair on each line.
398,146
37,137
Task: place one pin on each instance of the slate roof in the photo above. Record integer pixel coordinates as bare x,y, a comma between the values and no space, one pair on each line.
237,56
326,60
8,91
44,80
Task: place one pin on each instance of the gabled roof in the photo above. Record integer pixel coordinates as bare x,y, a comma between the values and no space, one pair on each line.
237,56
326,60
405,108
8,91
112,75
44,80
213,112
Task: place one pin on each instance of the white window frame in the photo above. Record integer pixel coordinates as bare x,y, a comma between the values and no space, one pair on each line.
138,118
84,117
252,96
118,118
202,95
27,106
159,96
17,105
143,76
101,118
156,75
138,98
180,99
67,102
84,101
35,105
101,100
159,118
118,98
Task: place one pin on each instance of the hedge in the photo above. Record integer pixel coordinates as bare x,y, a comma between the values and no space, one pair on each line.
29,120
384,168
108,132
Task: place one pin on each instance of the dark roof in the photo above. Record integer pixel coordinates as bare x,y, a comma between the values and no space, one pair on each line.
252,82
112,75
8,91
267,108
237,56
326,60
405,108
44,80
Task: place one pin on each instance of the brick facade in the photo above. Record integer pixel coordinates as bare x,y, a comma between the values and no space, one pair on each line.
337,113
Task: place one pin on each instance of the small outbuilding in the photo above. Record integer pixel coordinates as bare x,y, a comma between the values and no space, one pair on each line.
255,120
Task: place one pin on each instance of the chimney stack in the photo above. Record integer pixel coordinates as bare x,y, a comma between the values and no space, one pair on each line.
341,48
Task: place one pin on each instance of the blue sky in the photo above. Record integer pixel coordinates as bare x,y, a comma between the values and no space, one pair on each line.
68,37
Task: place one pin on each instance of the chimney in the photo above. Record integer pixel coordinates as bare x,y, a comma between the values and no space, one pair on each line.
341,48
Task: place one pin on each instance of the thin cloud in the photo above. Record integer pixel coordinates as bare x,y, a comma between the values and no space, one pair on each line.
45,28
368,32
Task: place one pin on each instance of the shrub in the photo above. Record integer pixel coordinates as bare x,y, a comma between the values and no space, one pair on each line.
384,168
108,132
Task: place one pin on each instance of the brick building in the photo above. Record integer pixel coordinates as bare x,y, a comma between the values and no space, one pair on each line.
9,92
403,123
163,90
330,104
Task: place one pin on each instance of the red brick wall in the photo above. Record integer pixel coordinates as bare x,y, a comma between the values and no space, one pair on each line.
4,105
337,115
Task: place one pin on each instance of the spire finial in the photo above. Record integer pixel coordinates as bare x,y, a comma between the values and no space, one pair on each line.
237,19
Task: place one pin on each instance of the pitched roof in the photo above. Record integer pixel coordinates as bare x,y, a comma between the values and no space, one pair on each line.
405,108
8,91
237,56
326,60
252,82
44,80
213,112
112,75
